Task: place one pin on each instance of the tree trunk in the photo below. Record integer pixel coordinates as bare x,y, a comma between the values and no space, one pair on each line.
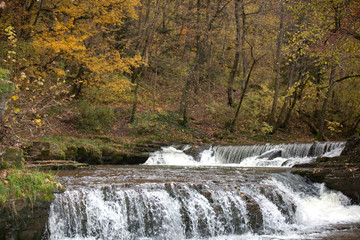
230,90
243,40
291,78
185,94
196,64
184,102
278,65
199,44
232,126
292,106
354,127
38,13
133,111
320,136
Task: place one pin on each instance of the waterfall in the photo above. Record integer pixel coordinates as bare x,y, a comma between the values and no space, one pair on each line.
179,196
277,155
274,205
267,155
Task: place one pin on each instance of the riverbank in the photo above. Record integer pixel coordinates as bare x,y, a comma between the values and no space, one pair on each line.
25,198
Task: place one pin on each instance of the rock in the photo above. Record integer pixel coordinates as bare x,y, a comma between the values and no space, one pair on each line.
89,154
195,150
271,154
56,165
352,150
339,173
112,156
10,156
135,158
89,151
44,151
21,221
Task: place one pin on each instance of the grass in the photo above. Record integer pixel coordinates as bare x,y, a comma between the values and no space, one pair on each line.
29,185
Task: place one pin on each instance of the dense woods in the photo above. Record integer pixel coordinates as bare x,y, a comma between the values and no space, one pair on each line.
180,69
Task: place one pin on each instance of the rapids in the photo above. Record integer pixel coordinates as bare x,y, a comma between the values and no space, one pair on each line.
268,155
178,196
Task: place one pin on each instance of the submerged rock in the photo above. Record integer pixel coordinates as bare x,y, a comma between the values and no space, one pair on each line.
270,155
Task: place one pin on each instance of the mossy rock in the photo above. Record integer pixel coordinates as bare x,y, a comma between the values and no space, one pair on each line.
89,154
11,157
92,151
112,155
57,152
352,150
45,151
21,221
71,152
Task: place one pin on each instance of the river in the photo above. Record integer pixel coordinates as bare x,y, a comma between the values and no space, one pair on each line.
234,192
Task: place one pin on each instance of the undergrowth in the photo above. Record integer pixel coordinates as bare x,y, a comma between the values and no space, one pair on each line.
160,125
94,118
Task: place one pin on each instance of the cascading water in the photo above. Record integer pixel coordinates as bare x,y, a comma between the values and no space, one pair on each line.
218,201
282,155
196,203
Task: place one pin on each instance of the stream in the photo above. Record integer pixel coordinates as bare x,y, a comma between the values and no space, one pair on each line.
232,192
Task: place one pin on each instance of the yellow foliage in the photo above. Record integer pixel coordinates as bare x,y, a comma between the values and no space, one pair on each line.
111,90
333,126
80,34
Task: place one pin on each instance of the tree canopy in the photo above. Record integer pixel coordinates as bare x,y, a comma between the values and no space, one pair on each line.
172,65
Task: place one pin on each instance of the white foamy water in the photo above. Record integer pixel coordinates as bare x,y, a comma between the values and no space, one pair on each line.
170,156
282,155
237,205
324,208
178,196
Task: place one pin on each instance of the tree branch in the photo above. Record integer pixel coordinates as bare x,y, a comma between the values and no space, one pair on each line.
343,78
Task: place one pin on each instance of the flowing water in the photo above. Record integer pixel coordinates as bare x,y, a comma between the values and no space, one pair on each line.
209,196
283,155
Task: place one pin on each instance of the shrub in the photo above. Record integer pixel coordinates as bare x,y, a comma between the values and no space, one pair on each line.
6,86
94,118
159,123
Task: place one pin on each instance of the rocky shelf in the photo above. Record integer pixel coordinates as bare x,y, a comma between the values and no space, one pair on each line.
339,173
74,153
55,165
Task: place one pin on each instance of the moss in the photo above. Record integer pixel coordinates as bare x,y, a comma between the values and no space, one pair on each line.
11,157
113,155
4,165
89,153
57,151
25,198
206,140
95,150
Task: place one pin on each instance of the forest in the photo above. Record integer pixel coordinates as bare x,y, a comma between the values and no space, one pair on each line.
180,70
